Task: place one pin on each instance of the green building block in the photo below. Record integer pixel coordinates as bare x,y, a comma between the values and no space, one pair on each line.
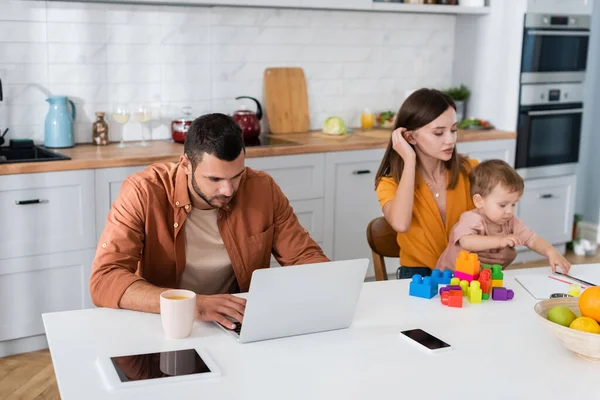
497,274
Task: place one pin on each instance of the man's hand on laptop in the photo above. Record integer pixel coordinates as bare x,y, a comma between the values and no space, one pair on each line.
218,307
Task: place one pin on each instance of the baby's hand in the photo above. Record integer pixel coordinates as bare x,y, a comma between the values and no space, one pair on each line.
556,259
509,241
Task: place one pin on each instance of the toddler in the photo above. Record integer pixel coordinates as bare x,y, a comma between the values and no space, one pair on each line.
491,227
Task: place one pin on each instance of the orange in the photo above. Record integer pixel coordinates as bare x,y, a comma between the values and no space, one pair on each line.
585,324
589,303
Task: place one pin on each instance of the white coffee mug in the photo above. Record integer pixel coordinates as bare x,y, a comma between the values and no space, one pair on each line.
177,312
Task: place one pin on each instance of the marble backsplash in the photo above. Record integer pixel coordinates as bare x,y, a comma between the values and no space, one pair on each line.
169,57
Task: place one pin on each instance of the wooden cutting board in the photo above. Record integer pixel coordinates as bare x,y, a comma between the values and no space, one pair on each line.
286,100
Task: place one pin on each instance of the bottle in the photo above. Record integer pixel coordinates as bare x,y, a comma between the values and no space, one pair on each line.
100,130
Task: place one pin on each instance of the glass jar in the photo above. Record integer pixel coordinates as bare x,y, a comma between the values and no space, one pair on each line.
100,130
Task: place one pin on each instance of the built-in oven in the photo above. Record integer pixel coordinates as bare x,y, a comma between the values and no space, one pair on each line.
555,48
549,129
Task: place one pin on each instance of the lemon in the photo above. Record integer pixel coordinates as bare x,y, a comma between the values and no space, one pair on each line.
585,324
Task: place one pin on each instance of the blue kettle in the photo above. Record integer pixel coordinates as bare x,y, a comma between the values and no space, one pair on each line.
58,131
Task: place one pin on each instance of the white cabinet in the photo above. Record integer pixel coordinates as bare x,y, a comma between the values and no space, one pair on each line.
350,202
108,184
492,149
46,213
31,286
48,244
547,207
300,177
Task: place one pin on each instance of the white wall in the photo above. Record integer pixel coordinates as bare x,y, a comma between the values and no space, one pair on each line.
202,56
588,180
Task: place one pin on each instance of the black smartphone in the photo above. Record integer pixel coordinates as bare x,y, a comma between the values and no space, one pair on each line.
425,339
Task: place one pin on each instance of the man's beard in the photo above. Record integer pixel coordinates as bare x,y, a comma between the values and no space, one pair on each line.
210,201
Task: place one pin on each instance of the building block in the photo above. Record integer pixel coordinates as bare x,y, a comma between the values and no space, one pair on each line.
422,287
452,298
502,294
464,276
575,290
497,283
485,279
485,296
449,287
486,266
446,277
497,274
436,275
464,286
474,293
441,278
455,281
467,263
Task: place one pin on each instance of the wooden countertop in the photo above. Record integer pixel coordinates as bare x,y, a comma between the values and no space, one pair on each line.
88,156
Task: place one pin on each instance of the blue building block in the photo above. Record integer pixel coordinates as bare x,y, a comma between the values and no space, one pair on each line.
441,278
447,275
423,287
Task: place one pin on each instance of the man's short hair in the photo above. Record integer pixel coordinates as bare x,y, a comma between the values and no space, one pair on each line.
216,134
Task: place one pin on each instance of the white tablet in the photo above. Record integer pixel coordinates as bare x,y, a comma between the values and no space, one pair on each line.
159,368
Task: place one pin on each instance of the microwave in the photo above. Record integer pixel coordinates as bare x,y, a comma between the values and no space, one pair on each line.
555,48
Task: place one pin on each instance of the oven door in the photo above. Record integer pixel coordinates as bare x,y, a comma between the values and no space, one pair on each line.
548,135
551,55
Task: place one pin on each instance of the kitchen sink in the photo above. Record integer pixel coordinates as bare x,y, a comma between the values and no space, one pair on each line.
28,154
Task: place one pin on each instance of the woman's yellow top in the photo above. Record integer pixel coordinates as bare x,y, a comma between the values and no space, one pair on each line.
427,237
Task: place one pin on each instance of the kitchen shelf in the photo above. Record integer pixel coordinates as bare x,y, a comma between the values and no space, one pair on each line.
430,8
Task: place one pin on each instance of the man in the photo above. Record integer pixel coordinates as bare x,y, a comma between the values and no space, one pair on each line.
204,224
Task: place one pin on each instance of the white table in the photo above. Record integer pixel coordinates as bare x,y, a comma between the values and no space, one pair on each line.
501,352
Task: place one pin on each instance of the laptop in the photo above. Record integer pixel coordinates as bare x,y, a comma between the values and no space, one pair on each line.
300,299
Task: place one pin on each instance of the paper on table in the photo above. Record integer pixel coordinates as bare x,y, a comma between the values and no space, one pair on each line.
540,286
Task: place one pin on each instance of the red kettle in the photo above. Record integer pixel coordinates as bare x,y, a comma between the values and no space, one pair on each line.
248,120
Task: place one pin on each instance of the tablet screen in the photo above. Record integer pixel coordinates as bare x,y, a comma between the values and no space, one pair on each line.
159,365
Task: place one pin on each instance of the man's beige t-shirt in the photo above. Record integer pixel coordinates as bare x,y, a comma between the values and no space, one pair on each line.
208,268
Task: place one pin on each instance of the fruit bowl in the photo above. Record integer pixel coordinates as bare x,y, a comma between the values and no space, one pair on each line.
585,345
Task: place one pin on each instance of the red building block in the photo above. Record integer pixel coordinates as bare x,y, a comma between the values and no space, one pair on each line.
485,278
452,298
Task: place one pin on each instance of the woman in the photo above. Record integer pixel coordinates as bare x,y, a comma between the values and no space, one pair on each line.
423,183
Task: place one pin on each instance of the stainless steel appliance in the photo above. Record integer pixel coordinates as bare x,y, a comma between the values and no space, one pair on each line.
549,129
555,48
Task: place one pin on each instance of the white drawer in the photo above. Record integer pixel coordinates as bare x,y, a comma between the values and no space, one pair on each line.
31,286
547,207
300,177
46,213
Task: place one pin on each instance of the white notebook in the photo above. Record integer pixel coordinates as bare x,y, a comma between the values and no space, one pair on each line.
541,282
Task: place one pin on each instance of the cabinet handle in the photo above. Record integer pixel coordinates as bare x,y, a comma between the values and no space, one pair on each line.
547,196
361,172
32,201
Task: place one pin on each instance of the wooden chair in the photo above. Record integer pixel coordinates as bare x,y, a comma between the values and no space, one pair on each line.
382,240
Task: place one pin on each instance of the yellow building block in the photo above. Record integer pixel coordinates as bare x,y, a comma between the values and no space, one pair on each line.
474,293
468,263
497,283
454,281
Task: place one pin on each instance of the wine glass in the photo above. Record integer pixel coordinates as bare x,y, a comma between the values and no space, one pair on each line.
120,114
143,114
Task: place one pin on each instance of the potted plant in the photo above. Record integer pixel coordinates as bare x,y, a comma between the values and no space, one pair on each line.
460,95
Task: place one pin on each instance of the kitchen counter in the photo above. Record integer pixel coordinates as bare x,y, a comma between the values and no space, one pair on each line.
88,156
